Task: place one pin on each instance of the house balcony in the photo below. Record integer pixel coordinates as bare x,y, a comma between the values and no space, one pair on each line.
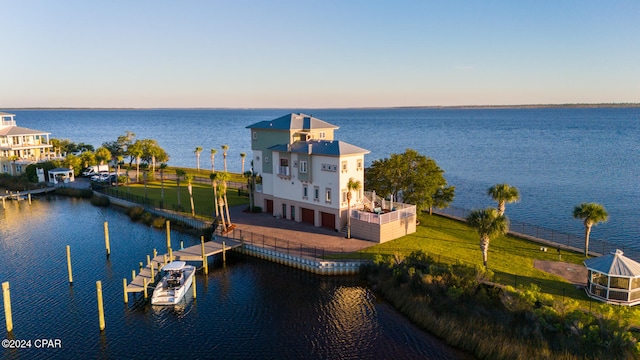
381,220
284,172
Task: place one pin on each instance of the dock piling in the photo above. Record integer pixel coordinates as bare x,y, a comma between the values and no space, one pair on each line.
6,295
124,285
168,226
133,275
224,253
100,304
144,285
69,265
193,283
106,238
205,263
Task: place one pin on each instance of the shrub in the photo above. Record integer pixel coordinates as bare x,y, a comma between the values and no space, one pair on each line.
158,222
135,213
73,192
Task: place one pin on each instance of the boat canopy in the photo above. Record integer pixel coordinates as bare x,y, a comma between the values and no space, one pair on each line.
174,266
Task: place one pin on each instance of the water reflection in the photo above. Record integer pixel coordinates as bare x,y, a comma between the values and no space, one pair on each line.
248,308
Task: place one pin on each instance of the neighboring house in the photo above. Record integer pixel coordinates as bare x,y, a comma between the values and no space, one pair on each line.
20,146
304,170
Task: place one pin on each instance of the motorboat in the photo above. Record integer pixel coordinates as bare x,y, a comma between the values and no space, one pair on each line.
177,279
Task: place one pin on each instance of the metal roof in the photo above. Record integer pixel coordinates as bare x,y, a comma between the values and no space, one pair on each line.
614,264
321,147
17,131
293,121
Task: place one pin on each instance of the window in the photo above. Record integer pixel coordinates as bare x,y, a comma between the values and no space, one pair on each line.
303,167
344,166
316,193
284,211
328,195
255,135
344,196
305,192
359,165
266,159
284,167
322,135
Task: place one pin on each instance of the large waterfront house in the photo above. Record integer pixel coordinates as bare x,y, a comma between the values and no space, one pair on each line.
20,146
305,172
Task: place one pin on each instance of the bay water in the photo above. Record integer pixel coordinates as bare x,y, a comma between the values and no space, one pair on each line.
557,157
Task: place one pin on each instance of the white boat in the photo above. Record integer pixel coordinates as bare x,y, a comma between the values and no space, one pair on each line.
177,279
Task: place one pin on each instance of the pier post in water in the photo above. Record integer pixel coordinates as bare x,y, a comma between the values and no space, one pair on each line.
100,304
205,263
168,235
106,238
193,284
224,253
133,275
124,286
69,265
148,260
170,255
6,295
29,196
144,284
153,274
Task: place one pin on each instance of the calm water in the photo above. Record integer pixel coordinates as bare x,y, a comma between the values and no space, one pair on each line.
246,309
558,158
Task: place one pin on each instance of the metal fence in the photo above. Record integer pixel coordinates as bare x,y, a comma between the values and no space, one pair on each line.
554,236
305,251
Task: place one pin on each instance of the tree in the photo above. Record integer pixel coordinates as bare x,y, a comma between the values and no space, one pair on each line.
503,193
102,155
242,156
179,173
352,185
197,152
224,156
251,185
213,177
189,179
489,223
592,214
442,197
136,151
213,158
152,153
411,177
220,179
87,158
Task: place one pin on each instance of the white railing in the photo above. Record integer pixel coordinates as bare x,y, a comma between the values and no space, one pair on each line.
402,211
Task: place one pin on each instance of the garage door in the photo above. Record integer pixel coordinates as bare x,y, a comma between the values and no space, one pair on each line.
328,220
308,216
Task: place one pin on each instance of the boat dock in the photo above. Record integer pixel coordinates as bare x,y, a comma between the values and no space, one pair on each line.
192,253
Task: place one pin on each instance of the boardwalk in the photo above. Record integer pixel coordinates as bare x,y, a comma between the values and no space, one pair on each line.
193,253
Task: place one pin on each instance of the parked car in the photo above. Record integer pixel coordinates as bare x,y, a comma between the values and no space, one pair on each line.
101,176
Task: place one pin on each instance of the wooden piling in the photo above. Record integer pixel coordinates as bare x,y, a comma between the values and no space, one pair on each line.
148,260
69,265
133,275
193,284
144,285
168,226
29,196
3,204
155,253
164,256
100,304
106,238
170,255
140,267
153,274
6,295
181,245
205,263
224,253
124,286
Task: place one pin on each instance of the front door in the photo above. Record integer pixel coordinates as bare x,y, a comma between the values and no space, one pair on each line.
269,205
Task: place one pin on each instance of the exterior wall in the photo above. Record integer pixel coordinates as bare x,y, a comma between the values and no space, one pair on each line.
261,140
384,232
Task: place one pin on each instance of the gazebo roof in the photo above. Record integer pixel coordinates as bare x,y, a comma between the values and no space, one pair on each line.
614,264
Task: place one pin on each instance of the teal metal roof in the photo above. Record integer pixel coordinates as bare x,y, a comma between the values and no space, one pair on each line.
614,264
321,147
293,121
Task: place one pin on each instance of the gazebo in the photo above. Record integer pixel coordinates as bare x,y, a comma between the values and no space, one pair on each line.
614,279
61,175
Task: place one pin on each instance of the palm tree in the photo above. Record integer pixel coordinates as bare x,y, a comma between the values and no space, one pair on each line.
220,179
503,193
162,167
489,223
197,152
242,156
179,173
251,184
189,179
213,157
213,176
352,185
592,214
224,156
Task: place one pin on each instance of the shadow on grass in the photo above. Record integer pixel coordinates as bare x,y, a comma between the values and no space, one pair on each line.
549,286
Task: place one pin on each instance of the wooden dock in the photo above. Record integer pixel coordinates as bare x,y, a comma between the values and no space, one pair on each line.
192,253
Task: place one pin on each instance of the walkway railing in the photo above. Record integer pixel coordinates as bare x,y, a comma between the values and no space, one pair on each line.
564,239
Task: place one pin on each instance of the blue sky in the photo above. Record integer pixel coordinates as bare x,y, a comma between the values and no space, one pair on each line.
317,54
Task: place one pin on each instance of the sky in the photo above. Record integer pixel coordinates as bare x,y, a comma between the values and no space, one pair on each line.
317,54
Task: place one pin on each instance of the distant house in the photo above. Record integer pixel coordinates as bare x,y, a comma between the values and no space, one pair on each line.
305,172
20,146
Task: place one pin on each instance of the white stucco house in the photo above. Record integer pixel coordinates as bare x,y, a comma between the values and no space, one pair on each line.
304,170
20,146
